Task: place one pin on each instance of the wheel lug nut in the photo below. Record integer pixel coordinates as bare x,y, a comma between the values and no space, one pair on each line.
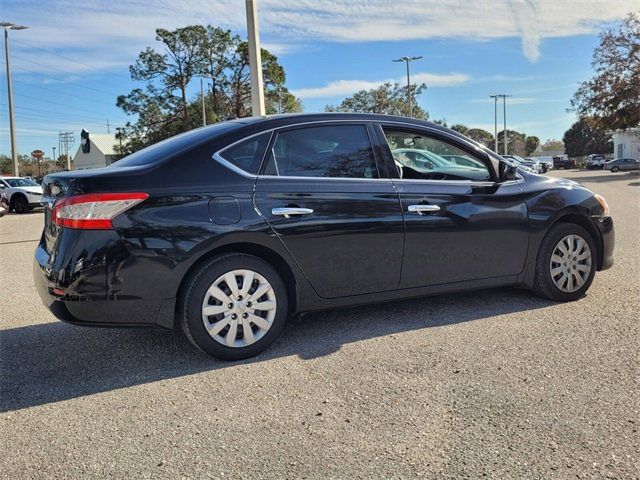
245,315
234,316
230,305
248,304
239,297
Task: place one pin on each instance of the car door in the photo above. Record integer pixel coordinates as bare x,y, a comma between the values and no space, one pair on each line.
326,198
460,225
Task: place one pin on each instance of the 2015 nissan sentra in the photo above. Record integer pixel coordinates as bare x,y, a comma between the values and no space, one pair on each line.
227,230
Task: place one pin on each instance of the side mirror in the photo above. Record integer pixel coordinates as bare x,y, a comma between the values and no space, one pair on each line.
507,172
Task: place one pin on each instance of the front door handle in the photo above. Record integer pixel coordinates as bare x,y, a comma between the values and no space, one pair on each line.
422,209
289,211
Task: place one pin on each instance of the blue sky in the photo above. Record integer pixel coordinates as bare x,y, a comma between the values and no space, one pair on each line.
71,64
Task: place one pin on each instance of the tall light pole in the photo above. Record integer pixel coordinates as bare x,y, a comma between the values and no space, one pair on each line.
12,125
255,59
504,117
204,113
408,60
495,119
54,153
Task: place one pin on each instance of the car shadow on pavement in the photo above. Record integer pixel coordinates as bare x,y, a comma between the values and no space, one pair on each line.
611,177
52,362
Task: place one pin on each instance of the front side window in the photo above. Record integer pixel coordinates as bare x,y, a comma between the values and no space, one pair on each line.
421,157
247,155
333,151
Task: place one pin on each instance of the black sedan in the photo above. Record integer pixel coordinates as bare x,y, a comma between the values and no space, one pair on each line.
228,230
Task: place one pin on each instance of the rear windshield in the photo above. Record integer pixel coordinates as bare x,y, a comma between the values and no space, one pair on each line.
171,146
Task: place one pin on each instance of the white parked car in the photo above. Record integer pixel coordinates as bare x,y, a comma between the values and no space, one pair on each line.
596,161
23,194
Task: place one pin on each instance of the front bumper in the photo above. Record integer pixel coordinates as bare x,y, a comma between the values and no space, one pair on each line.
608,237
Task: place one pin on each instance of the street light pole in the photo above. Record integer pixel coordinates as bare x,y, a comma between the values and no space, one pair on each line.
54,154
255,59
504,115
204,113
495,119
407,60
12,124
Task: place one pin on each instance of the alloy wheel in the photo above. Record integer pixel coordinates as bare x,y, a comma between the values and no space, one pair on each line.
239,307
570,263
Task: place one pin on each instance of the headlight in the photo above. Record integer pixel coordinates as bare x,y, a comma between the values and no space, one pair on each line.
603,202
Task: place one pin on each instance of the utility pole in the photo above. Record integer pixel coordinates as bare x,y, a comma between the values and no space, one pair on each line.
12,123
408,60
255,59
66,140
119,134
108,131
204,113
495,118
54,154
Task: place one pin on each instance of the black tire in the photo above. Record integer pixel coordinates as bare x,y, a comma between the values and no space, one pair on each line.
196,286
543,283
615,169
20,204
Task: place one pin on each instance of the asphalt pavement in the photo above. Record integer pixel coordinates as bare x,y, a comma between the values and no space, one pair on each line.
496,384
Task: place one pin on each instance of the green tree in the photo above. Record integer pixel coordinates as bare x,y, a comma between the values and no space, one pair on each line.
552,145
586,137
458,127
612,96
162,106
481,136
531,143
389,99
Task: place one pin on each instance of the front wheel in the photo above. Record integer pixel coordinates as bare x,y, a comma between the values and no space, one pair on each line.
566,263
20,205
615,169
234,306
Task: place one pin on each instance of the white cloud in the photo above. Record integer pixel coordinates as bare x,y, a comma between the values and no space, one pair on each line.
340,88
112,33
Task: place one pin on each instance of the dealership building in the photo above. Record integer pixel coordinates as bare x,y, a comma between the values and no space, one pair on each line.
626,143
95,150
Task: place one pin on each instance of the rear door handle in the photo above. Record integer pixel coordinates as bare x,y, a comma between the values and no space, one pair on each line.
422,209
288,211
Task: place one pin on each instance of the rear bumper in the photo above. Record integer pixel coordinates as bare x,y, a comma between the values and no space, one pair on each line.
94,311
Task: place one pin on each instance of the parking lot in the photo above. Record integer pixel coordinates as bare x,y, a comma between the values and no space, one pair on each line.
495,383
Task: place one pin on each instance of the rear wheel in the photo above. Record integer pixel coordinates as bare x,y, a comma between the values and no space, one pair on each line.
234,307
566,263
615,169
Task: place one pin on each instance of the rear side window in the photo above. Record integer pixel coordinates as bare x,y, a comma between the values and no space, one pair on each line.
331,151
247,155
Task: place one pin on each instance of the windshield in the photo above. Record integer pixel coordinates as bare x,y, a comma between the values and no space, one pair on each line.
21,182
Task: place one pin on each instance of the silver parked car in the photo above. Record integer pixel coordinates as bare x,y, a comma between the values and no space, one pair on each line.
622,164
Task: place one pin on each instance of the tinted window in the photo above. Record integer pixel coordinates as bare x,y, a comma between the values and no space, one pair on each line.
422,157
247,155
174,145
327,151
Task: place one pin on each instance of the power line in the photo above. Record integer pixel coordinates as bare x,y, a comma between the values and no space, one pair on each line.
55,103
35,85
59,70
64,57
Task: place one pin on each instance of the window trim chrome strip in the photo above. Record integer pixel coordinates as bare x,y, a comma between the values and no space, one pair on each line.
218,157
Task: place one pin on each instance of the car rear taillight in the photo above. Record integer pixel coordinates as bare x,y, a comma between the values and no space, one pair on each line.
93,211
